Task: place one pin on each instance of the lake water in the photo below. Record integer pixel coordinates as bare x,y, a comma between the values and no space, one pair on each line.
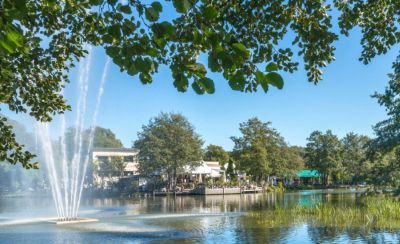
186,219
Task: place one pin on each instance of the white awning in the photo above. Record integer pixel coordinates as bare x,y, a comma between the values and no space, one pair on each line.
202,169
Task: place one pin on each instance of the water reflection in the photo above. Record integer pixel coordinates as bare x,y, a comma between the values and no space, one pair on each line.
193,219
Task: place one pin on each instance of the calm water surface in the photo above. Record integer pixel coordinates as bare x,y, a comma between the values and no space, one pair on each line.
188,219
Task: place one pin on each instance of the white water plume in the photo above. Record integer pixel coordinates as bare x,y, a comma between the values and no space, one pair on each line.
81,110
93,127
67,174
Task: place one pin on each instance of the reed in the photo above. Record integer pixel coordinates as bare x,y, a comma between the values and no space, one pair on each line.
368,212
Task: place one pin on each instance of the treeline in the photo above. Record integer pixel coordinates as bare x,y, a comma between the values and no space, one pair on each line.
169,144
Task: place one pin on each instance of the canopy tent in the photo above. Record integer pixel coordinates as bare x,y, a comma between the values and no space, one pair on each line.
309,173
202,169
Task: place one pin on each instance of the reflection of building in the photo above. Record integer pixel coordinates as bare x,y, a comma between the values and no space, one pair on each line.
127,156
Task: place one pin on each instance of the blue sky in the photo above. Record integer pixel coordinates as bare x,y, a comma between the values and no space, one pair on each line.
340,102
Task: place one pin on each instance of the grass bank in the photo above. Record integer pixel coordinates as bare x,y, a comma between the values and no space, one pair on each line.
369,212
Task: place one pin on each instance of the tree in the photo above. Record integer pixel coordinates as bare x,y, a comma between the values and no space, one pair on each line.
105,138
292,162
385,148
166,145
216,153
102,138
323,152
260,151
388,131
385,170
14,177
355,161
243,40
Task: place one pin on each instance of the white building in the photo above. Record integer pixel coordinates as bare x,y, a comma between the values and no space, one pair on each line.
128,155
206,169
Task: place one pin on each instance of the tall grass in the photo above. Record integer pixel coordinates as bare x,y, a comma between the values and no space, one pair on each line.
369,212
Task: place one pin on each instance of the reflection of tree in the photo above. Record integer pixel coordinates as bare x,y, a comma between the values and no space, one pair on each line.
318,234
251,230
325,221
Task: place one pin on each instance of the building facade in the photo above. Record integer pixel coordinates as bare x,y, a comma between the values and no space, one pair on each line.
111,164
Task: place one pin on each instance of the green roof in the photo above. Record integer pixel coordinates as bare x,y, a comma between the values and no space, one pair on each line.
308,173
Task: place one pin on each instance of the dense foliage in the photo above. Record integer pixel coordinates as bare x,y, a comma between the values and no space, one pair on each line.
249,42
323,152
261,151
216,153
355,162
166,145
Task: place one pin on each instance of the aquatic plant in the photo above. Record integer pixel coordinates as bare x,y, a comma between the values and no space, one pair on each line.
368,212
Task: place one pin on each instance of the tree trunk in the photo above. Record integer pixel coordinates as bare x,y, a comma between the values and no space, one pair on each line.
169,182
174,179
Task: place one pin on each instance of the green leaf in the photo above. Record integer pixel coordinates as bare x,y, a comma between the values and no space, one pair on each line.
14,36
183,6
237,82
226,60
163,29
262,80
213,63
241,49
153,52
125,9
144,65
107,38
196,87
114,31
210,13
145,78
157,6
8,46
112,51
275,79
151,14
112,2
207,84
197,68
271,67
96,2
132,70
181,82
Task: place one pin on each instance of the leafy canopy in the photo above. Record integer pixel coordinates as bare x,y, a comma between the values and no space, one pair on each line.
216,153
324,153
261,151
167,144
354,157
242,40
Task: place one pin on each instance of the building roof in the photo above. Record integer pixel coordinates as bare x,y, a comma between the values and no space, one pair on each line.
309,173
207,167
100,149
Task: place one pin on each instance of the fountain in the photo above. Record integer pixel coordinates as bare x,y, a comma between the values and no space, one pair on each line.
67,177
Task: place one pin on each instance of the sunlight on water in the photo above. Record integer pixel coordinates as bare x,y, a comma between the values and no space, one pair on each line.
253,218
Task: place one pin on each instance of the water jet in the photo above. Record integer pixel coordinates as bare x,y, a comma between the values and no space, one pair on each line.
67,172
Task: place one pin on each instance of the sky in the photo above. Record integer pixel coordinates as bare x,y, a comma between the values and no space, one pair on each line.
341,102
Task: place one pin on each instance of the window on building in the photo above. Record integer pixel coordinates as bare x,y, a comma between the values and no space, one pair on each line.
102,158
128,159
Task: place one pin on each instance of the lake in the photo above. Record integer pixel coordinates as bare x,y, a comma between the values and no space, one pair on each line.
248,218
